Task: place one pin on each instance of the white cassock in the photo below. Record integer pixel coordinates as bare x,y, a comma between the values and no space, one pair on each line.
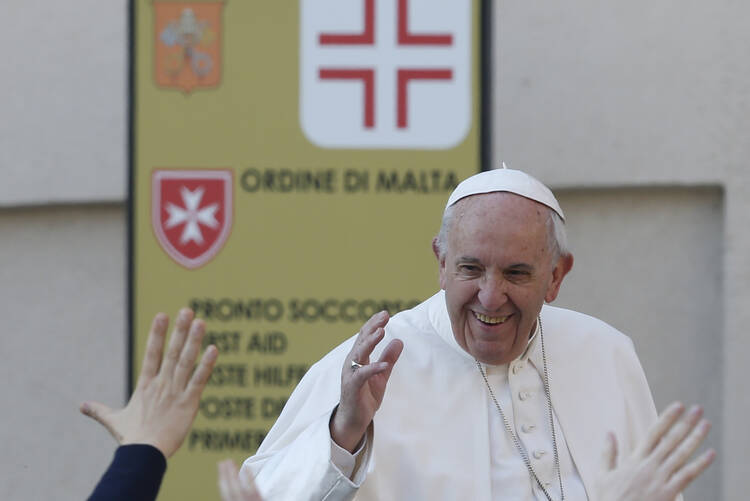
439,436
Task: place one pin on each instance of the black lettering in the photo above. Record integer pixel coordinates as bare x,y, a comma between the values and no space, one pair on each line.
225,341
273,343
287,180
227,407
228,375
227,309
278,375
422,181
250,180
271,407
209,439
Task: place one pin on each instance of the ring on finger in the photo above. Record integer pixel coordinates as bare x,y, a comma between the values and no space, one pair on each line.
356,365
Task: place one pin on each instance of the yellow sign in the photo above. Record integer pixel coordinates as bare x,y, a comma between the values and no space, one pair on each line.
290,162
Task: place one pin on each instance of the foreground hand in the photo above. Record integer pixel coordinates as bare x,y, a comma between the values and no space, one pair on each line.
362,389
658,469
230,486
162,408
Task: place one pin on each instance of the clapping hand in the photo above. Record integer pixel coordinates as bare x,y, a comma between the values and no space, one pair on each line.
659,468
162,408
230,486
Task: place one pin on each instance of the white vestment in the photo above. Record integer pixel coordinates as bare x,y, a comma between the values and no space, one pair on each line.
430,439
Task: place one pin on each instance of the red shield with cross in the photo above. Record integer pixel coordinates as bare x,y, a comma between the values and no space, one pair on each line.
191,213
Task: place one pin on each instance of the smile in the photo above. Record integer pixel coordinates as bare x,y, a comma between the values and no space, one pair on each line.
490,320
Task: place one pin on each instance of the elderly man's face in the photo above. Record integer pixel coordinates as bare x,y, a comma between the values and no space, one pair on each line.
498,270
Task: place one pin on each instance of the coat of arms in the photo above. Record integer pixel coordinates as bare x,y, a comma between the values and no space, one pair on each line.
188,43
191,213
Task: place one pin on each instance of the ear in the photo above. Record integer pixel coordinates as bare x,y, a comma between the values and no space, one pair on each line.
563,266
441,262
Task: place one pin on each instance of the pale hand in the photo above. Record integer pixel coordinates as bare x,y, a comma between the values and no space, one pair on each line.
230,486
658,469
362,389
162,408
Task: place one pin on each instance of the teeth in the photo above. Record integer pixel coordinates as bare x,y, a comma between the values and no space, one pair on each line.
490,320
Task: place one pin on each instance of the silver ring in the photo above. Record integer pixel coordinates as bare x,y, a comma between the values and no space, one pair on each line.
356,365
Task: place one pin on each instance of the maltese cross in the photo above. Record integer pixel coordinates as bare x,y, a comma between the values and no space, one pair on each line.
192,215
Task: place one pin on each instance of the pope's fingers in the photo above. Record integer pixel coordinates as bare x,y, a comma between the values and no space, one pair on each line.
176,341
662,425
386,362
361,375
375,322
392,352
361,351
154,348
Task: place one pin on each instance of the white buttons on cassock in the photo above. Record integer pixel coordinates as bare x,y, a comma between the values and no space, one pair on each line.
528,428
517,367
539,453
524,395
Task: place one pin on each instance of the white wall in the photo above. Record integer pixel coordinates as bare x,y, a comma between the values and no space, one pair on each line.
62,240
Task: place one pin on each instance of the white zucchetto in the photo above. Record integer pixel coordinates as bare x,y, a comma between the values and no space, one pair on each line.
510,180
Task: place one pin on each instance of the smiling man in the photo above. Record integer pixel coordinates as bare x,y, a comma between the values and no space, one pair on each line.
491,394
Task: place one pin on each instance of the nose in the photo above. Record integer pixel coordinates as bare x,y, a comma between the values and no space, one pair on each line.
492,292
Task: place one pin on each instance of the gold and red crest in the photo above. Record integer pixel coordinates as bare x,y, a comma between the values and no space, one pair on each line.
187,41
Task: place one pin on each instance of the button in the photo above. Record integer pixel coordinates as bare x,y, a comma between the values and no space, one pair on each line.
517,367
539,453
524,395
528,428
548,484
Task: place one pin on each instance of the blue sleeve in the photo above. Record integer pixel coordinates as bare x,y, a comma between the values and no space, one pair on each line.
135,474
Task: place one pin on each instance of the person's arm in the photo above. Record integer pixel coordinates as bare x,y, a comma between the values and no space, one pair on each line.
363,383
307,427
135,473
660,468
154,423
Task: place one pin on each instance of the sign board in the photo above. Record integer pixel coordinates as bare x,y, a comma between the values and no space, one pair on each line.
289,166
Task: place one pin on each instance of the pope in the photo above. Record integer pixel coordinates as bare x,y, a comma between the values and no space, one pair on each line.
484,391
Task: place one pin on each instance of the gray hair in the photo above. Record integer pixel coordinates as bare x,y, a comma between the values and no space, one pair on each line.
555,232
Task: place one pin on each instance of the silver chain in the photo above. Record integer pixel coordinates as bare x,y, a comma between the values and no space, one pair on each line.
509,429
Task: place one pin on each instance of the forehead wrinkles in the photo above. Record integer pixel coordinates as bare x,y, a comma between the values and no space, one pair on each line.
499,209
500,206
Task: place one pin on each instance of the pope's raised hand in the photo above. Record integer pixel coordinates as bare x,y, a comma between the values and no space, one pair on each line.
363,383
659,468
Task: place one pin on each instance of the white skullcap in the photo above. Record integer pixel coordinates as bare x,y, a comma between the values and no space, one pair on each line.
510,180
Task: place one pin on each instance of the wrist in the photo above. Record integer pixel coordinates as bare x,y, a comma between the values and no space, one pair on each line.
345,435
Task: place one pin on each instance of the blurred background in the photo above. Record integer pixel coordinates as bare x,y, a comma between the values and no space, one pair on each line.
635,113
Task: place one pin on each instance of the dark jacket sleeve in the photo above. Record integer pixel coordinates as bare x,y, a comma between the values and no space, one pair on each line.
135,474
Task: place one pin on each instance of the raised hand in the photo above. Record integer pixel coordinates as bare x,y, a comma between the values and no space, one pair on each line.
363,383
162,408
231,488
658,469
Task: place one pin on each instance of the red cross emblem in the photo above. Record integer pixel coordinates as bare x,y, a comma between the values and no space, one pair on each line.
191,213
385,73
